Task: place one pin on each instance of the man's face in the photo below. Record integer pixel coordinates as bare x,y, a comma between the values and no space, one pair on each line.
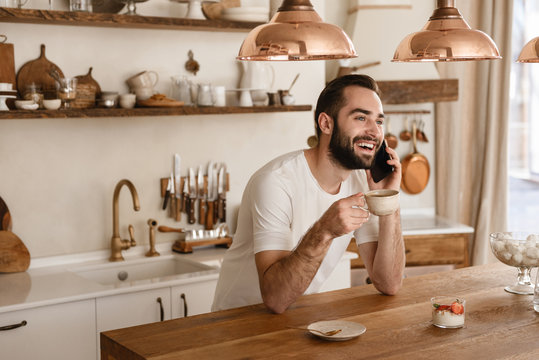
358,130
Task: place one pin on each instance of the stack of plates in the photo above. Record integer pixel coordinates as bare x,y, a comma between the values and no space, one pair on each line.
246,13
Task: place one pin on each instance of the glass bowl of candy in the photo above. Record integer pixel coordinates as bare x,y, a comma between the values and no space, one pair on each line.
518,249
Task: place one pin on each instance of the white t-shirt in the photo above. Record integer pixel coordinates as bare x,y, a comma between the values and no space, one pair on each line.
280,203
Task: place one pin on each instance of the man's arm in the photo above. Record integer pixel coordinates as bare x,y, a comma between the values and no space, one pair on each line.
385,259
285,275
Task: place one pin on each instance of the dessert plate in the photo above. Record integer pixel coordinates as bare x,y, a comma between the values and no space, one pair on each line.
349,329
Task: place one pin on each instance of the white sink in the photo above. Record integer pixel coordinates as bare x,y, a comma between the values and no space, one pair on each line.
142,271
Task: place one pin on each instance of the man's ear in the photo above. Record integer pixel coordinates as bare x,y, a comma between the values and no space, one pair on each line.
325,122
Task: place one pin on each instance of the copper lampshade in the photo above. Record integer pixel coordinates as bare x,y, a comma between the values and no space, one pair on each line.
446,37
530,52
296,32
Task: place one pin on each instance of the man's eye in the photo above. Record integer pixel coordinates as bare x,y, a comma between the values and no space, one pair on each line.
380,122
360,118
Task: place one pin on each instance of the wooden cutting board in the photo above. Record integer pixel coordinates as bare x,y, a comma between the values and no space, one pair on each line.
14,256
5,217
7,64
37,71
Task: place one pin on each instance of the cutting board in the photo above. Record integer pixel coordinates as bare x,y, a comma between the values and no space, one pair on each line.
7,64
37,71
5,217
14,256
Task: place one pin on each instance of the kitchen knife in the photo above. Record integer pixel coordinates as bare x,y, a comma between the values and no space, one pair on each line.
185,196
221,207
201,200
177,186
192,197
167,192
172,198
209,211
215,192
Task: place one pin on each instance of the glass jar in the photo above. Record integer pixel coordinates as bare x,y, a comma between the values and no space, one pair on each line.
33,92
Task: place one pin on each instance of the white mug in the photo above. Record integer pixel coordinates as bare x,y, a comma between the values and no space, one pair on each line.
382,202
127,101
143,80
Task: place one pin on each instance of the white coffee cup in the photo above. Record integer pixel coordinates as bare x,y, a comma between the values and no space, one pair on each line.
382,202
128,101
144,79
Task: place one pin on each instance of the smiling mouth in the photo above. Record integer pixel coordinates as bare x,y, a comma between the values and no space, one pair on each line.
366,146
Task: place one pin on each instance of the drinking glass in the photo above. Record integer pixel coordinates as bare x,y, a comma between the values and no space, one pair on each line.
67,91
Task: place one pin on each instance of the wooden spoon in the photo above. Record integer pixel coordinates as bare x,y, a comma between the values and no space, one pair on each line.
391,139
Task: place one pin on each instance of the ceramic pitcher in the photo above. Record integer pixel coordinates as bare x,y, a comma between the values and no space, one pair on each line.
257,75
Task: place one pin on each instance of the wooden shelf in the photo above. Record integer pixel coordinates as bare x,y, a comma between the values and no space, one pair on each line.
75,18
117,112
418,91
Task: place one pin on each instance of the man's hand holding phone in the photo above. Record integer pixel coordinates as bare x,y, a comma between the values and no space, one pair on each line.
386,170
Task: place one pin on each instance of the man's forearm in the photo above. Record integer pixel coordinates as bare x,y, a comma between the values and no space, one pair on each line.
389,260
287,279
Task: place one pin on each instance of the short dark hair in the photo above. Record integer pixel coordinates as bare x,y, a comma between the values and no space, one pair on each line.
331,99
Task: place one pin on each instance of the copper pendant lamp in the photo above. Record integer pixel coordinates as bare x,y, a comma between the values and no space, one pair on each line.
446,37
530,52
296,32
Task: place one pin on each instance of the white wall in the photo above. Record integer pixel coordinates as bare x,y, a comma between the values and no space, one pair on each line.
58,175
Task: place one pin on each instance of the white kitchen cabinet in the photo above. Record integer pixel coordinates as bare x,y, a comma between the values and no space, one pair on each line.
134,308
196,298
61,331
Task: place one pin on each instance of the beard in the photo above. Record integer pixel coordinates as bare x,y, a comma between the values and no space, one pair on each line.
341,150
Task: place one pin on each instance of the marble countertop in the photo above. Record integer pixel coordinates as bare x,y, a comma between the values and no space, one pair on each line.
50,280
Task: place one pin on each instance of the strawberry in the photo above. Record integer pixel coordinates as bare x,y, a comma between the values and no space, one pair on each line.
457,307
442,307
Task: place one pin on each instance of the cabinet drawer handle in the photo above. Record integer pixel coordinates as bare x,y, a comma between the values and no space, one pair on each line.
161,311
182,296
407,251
14,326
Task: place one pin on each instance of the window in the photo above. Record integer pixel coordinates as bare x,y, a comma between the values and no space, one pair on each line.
523,214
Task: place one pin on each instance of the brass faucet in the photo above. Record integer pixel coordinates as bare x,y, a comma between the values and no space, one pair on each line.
116,243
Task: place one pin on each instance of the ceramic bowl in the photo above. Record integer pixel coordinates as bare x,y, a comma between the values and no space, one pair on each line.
52,104
26,104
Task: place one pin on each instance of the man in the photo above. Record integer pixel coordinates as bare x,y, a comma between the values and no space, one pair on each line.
300,211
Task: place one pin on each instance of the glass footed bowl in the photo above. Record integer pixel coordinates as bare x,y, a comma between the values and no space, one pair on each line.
518,249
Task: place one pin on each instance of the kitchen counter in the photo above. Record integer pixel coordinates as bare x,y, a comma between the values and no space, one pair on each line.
52,280
48,280
425,223
499,325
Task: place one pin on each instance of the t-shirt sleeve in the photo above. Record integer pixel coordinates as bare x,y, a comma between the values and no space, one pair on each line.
271,212
368,232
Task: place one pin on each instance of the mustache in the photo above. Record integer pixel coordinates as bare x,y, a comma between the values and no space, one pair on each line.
367,138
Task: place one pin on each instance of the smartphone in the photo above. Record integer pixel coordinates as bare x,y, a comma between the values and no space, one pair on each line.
380,168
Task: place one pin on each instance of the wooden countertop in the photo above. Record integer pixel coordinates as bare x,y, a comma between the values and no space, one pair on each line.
499,325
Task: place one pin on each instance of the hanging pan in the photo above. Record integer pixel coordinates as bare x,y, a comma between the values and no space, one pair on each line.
415,169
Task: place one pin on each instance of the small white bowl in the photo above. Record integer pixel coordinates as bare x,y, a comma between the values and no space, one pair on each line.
52,104
26,105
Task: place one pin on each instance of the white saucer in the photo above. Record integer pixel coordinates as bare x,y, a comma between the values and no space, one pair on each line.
349,329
